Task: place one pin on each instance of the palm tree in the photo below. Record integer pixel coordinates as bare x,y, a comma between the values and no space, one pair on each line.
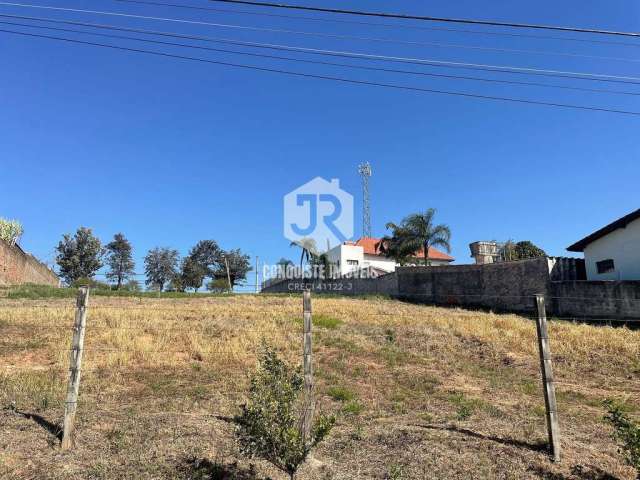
416,232
309,249
393,246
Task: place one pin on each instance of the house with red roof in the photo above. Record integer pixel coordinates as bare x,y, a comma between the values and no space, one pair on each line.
364,256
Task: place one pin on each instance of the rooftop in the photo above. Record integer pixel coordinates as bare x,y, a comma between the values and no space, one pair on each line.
612,227
371,246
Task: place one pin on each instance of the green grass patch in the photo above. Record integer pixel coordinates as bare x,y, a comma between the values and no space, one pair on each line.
422,384
354,407
530,387
396,472
199,392
339,343
539,411
465,406
35,292
322,321
425,417
39,390
341,394
393,355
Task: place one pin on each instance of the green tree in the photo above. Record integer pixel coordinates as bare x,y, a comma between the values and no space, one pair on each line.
238,263
206,253
527,249
417,231
394,245
176,284
218,285
119,259
79,256
160,267
192,273
511,251
269,425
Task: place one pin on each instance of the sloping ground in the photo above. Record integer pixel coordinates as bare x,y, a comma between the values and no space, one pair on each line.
420,392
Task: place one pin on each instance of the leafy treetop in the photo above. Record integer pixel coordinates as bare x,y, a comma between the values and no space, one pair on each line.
79,256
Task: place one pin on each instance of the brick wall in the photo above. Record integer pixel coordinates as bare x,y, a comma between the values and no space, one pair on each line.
18,267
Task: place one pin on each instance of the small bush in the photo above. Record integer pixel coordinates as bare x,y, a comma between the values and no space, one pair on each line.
625,432
269,425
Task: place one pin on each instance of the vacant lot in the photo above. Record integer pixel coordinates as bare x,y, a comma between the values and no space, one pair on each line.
420,392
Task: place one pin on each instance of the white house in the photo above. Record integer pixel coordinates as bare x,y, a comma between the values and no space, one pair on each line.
613,252
364,255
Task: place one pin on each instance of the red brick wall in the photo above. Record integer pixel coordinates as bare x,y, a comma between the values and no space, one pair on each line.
18,267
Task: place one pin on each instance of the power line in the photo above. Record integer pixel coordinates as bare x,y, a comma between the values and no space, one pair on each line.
383,25
412,43
418,61
354,37
431,19
299,60
331,78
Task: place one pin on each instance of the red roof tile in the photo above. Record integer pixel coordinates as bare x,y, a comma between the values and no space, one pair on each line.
371,246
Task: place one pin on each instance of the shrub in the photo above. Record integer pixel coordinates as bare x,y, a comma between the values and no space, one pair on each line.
269,425
10,230
625,432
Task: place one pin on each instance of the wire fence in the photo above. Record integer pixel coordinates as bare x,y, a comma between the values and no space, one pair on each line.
162,326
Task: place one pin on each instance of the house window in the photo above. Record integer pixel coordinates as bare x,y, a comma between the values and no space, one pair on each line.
605,266
352,262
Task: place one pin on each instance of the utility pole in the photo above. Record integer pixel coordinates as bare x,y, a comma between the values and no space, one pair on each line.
226,262
257,276
364,169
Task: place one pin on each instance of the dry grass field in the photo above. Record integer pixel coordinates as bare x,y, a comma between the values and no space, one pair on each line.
420,392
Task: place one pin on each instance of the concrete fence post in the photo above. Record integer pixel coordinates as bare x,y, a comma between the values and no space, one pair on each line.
553,426
309,401
75,365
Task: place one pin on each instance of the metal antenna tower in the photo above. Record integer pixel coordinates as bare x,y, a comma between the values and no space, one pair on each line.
364,169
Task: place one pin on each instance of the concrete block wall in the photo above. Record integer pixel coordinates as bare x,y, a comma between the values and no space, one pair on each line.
508,286
500,286
384,285
18,267
618,300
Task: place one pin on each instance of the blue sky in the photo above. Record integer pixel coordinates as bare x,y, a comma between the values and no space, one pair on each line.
170,152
